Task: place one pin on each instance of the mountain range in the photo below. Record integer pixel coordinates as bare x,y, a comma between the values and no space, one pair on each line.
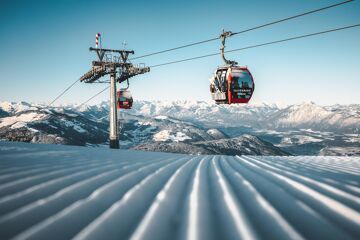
195,127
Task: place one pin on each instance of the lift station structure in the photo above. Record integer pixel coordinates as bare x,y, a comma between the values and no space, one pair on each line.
116,64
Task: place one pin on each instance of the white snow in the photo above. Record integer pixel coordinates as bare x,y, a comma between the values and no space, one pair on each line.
21,120
215,133
286,141
244,231
161,117
192,229
166,135
97,193
162,136
14,107
307,139
6,106
144,123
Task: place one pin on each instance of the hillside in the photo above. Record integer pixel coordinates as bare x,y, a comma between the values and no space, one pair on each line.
244,145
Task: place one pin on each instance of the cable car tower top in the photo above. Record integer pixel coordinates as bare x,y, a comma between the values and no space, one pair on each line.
110,62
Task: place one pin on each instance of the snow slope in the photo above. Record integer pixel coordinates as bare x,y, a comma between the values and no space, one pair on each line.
62,192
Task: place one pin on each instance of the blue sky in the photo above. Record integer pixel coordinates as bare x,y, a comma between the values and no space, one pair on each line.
44,48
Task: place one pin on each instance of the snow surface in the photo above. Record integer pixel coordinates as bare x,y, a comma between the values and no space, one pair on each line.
63,192
300,139
167,135
15,107
161,117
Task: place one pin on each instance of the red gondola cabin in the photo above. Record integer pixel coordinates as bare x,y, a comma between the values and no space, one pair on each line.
232,84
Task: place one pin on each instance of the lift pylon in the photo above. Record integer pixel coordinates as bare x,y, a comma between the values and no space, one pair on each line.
110,62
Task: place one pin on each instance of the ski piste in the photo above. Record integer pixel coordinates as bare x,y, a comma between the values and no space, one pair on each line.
63,192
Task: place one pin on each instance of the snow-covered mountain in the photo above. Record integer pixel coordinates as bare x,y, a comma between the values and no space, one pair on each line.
193,126
35,123
344,119
305,128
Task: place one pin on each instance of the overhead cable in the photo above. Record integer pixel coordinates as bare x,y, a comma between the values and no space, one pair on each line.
246,30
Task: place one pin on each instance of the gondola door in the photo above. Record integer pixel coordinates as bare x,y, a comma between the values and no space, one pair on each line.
240,85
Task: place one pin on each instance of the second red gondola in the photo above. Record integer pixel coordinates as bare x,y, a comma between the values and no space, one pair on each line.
124,99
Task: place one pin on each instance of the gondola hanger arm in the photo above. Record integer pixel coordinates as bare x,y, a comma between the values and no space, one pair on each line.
223,37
